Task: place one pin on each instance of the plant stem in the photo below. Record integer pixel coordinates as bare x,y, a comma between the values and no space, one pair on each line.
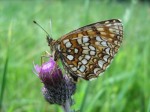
66,106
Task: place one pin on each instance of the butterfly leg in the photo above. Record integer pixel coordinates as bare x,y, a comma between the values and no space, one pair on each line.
46,55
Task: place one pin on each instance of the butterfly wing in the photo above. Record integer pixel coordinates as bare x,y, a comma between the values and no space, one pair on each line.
88,51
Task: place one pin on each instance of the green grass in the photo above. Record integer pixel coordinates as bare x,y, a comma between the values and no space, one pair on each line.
124,87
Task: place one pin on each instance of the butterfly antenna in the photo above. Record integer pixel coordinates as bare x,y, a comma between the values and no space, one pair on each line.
41,28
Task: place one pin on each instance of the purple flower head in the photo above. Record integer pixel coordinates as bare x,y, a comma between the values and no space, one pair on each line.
49,73
57,87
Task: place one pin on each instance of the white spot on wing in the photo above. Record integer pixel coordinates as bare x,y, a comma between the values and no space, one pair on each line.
79,63
67,40
74,69
120,27
76,50
104,43
116,42
108,25
93,78
100,29
79,41
70,57
115,27
121,32
85,39
80,58
106,22
106,58
96,69
101,63
117,31
107,50
84,61
79,75
87,57
85,51
85,47
103,33
92,52
111,30
117,24
71,65
86,44
98,38
69,50
68,44
82,68
58,47
91,47
97,43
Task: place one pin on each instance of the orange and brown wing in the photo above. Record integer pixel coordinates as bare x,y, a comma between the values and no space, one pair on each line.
87,51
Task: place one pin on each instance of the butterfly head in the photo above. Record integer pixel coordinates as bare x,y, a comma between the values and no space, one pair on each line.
50,42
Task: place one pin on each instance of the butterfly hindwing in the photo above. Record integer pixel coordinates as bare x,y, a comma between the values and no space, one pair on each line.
89,50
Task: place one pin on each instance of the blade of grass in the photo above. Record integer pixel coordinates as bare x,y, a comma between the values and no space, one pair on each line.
148,109
85,96
5,66
3,81
127,85
95,99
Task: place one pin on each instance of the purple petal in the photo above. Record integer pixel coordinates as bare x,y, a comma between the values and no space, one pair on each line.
37,68
49,73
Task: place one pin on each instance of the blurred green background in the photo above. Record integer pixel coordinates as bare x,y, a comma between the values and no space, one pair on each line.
124,87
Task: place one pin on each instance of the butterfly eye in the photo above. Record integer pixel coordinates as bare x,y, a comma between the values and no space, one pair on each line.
49,40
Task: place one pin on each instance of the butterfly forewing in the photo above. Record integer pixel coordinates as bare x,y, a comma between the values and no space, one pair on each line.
88,51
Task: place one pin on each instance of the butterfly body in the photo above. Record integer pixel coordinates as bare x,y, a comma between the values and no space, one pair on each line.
89,50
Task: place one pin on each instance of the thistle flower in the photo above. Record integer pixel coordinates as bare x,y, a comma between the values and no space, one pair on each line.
58,88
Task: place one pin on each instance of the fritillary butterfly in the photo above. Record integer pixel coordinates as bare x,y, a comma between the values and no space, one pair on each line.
88,51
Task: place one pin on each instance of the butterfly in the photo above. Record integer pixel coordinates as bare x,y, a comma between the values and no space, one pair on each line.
88,51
